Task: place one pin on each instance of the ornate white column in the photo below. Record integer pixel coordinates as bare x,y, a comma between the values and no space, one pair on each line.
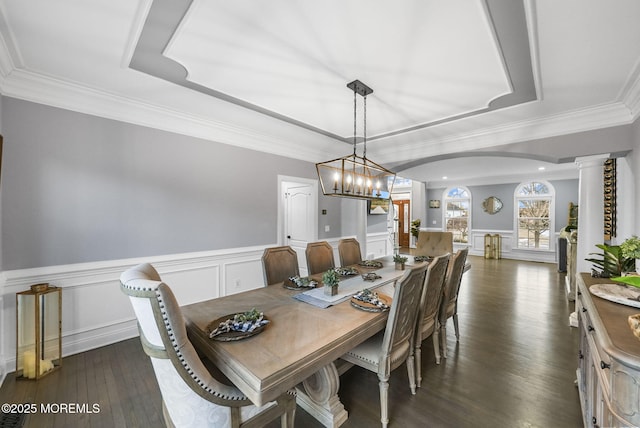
590,208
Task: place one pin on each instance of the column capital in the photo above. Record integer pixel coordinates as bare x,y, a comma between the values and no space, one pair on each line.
593,160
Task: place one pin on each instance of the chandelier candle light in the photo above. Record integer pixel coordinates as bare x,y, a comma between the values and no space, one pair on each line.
355,176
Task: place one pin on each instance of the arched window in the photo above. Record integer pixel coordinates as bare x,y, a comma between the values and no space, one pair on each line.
457,213
534,202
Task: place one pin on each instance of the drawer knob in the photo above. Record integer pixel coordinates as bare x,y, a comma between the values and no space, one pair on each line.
604,365
584,309
590,328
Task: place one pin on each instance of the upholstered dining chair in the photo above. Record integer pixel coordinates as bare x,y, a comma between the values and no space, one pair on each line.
349,251
428,325
278,264
393,346
449,305
191,395
319,257
432,244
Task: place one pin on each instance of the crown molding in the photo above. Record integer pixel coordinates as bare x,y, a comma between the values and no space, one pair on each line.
630,94
51,91
588,119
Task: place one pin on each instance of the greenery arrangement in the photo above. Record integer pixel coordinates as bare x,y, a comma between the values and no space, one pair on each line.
415,227
330,278
631,248
611,262
400,259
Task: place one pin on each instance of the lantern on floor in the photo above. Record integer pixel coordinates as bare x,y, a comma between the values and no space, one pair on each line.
38,331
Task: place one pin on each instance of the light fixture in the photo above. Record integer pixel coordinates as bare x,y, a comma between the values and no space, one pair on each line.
355,176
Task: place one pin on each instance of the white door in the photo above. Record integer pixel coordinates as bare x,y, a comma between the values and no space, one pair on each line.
299,210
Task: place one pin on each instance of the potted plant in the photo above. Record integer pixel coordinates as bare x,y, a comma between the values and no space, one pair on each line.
400,261
611,263
330,282
415,228
630,249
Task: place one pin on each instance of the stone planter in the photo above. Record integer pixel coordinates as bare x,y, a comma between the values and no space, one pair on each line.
399,266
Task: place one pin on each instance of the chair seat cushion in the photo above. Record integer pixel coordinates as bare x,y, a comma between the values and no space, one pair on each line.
367,354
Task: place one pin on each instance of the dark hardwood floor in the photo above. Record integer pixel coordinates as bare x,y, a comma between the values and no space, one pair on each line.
513,367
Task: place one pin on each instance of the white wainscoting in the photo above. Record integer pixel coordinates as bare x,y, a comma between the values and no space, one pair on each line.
508,247
96,313
476,246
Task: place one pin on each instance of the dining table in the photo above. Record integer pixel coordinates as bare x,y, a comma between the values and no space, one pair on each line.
301,345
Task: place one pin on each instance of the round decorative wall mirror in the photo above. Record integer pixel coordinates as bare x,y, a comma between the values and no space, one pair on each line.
492,205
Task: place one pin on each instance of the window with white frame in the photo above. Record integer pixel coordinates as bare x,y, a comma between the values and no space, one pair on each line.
457,213
534,202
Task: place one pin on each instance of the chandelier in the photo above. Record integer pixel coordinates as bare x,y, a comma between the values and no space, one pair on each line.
355,176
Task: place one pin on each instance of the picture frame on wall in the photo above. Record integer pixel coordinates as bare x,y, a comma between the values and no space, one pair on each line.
379,206
434,203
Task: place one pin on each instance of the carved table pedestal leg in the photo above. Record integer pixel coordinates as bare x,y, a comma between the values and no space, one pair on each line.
318,395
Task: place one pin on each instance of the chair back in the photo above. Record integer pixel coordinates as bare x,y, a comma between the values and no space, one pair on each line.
191,396
431,297
319,257
452,285
349,251
279,263
433,244
397,343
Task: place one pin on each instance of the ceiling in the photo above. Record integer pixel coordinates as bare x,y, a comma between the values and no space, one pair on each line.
460,87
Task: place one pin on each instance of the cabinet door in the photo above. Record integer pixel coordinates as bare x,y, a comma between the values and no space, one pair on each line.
625,392
591,397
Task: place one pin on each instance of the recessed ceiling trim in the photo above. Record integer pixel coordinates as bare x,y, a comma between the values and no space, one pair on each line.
588,119
163,20
507,23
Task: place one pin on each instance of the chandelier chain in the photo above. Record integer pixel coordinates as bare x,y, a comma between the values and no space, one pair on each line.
364,152
355,118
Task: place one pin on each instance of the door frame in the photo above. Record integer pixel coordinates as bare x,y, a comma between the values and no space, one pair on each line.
314,203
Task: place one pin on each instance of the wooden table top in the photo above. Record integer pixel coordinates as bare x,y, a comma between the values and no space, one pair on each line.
616,335
299,340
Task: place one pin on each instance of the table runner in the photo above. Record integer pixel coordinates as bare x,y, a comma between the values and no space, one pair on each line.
347,288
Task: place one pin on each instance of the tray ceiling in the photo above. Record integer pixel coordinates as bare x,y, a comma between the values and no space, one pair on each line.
450,79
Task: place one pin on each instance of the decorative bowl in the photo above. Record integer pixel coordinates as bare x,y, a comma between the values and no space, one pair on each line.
634,323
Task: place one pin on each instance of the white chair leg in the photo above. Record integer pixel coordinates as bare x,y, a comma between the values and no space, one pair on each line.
443,338
411,373
455,326
436,344
384,402
418,365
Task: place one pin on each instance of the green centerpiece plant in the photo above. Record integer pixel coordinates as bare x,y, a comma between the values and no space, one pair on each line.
400,261
330,281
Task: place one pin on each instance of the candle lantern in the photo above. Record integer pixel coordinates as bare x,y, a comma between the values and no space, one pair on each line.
38,331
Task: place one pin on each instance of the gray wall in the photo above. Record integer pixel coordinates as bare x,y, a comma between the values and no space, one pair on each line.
375,223
566,191
79,188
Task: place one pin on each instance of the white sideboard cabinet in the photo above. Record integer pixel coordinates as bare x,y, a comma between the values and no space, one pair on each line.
608,373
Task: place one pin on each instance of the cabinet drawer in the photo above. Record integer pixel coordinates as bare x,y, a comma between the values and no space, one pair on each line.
602,360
